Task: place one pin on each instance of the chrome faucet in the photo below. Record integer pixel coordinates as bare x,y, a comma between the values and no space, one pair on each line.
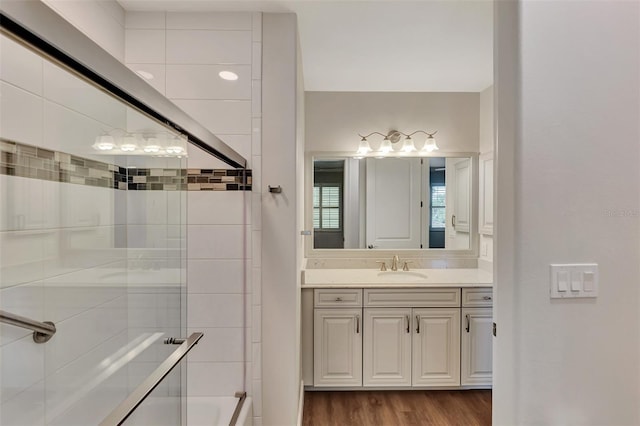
394,262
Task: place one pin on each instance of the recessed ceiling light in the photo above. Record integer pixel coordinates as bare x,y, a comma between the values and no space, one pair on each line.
145,74
228,75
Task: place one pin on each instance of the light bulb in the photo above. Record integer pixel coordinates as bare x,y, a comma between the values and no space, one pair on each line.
430,144
408,145
104,143
174,150
385,147
364,148
128,144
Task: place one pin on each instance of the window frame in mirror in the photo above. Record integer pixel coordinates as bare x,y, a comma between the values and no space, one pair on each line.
310,252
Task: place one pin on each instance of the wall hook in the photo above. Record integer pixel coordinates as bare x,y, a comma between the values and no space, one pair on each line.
275,189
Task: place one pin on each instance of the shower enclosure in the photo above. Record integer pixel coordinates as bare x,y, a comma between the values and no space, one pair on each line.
93,180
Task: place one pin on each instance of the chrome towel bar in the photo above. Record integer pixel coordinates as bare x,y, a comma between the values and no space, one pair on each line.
135,398
42,331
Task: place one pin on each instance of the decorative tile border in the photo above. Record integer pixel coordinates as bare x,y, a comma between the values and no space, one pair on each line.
29,161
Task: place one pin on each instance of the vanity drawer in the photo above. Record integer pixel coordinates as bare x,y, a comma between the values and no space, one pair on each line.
335,298
413,298
473,297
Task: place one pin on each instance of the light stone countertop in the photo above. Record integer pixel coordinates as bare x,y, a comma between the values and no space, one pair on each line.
416,278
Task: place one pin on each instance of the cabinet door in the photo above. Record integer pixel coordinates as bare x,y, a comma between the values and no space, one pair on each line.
337,347
436,347
387,347
477,346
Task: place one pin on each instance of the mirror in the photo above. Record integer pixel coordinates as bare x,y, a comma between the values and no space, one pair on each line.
392,202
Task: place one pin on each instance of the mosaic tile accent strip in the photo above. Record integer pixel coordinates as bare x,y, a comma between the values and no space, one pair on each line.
219,180
28,161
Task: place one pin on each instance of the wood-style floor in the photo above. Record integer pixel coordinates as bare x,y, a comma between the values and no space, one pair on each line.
397,408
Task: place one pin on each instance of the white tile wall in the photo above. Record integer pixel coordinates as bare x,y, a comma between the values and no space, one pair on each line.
144,46
214,378
26,408
203,82
67,90
220,269
22,366
145,20
215,276
221,310
222,344
20,115
157,71
219,116
208,21
20,67
215,241
208,47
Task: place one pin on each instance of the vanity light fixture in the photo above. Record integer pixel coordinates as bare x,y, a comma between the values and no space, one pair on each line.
228,75
393,137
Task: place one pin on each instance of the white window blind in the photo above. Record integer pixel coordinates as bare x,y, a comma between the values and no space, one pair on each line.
326,207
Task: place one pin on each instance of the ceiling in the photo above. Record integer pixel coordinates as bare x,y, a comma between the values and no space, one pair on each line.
380,45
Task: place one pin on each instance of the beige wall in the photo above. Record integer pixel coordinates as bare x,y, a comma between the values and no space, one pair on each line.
575,198
334,119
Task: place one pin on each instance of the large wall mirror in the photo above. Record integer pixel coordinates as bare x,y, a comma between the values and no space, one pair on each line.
419,203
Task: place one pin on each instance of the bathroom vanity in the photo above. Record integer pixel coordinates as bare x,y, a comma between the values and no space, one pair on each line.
364,328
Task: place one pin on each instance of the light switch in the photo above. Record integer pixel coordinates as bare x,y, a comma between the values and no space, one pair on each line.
589,280
563,281
576,283
574,280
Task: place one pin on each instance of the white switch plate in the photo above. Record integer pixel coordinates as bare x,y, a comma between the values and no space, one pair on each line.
573,280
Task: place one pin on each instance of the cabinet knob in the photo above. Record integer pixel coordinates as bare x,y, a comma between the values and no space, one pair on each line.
486,297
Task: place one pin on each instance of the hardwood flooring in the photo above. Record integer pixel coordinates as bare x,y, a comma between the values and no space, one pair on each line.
397,408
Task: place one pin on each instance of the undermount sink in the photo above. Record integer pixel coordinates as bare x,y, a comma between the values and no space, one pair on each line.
399,276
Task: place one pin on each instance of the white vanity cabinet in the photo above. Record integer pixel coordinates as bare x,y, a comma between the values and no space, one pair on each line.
337,338
381,337
477,329
411,337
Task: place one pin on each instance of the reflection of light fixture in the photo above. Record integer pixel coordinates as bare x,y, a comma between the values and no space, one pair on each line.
128,144
161,144
174,150
104,143
228,75
392,137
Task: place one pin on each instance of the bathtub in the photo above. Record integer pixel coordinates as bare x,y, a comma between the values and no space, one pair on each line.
201,411
217,411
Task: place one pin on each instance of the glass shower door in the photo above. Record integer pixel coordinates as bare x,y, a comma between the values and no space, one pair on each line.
92,238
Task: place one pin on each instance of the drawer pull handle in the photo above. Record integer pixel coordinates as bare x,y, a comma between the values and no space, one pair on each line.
418,324
338,299
408,325
468,323
357,324
486,298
